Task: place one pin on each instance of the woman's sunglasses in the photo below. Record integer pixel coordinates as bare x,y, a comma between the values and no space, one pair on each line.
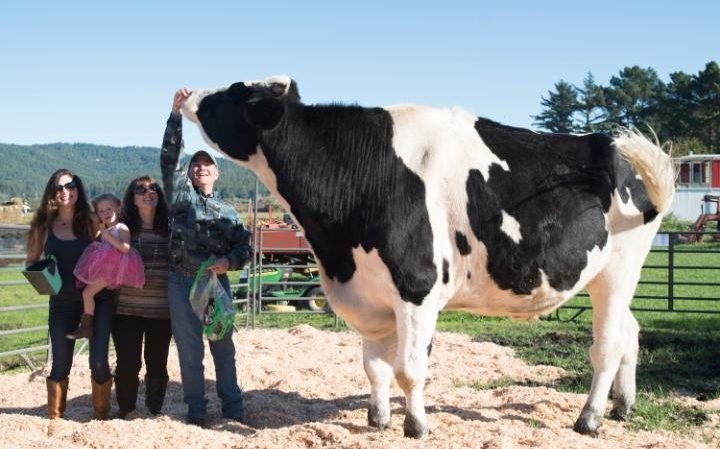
72,185
142,190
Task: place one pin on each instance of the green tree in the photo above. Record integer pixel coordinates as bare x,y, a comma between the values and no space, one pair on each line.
690,110
686,111
591,104
682,146
633,96
707,88
560,106
678,107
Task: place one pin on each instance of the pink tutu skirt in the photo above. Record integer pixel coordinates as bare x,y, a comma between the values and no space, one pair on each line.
100,260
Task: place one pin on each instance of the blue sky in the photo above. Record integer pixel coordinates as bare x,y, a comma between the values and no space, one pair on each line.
105,72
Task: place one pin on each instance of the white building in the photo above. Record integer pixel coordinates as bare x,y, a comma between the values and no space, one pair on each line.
698,175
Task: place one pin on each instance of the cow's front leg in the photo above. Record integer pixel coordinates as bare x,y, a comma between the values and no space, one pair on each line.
377,356
416,326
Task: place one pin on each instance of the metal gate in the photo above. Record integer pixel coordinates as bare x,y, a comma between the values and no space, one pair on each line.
677,277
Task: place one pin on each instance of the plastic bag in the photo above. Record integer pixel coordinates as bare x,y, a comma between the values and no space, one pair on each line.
211,303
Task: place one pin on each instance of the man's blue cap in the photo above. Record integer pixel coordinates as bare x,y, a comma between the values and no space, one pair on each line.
203,153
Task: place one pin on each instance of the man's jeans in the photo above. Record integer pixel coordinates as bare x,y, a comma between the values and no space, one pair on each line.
64,318
188,333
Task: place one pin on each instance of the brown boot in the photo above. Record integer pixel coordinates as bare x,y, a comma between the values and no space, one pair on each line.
101,399
85,330
57,397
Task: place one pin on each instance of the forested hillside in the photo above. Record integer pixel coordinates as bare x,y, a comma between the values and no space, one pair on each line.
26,169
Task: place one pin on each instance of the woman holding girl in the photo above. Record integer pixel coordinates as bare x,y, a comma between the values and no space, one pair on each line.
62,226
107,263
143,314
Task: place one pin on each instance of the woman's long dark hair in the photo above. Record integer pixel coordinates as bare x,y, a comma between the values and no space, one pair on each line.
130,215
47,212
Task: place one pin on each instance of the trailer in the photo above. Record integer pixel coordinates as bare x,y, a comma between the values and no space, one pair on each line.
698,177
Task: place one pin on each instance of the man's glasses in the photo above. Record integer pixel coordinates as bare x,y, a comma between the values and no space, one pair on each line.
72,185
142,190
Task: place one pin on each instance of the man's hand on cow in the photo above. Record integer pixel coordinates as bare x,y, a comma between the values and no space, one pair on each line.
180,97
220,266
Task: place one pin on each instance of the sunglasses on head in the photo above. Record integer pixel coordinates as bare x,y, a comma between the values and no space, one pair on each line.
142,190
72,185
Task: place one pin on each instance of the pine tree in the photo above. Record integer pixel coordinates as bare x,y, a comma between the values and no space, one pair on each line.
633,97
707,88
560,106
592,104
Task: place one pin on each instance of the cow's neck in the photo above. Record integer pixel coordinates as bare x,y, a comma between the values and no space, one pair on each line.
329,164
258,164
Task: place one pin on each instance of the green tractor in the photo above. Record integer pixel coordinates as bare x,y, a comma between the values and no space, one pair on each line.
285,272
277,286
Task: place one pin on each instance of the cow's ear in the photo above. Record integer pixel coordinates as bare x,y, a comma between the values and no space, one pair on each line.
238,93
264,113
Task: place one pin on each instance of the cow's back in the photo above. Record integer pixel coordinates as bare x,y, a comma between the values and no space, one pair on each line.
520,218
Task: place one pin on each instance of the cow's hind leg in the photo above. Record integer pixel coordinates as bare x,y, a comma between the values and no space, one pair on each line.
415,327
613,352
377,360
624,387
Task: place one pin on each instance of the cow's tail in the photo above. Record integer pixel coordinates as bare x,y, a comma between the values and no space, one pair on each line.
654,166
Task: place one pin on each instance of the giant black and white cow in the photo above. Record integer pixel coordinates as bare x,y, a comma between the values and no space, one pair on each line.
410,210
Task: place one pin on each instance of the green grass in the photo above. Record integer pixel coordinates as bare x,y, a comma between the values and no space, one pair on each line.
324,321
20,295
502,382
654,412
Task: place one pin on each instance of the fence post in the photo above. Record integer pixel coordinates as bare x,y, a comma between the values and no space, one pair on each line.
256,252
671,271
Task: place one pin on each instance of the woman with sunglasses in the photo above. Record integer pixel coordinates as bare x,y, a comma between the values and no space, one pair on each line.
143,314
62,226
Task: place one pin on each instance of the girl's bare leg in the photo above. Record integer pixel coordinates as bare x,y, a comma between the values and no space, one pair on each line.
88,295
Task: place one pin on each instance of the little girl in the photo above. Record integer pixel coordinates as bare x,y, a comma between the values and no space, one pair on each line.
108,263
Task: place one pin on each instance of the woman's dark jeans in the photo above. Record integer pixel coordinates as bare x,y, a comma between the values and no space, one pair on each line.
128,334
64,318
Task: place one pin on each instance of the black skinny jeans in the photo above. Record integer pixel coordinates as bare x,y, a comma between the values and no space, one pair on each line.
64,318
128,332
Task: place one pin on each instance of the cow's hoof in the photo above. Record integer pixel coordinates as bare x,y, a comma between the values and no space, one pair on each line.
620,413
622,408
588,422
413,428
377,418
584,427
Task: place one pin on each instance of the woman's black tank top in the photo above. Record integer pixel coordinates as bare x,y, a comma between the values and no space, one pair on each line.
67,253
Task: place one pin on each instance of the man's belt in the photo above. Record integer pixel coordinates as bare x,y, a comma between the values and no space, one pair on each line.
183,271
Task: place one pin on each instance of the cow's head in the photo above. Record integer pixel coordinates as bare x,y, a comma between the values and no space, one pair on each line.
231,117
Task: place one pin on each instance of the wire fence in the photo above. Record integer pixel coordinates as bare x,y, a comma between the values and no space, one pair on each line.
277,280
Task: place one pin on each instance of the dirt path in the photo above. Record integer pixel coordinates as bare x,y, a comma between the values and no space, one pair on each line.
306,388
